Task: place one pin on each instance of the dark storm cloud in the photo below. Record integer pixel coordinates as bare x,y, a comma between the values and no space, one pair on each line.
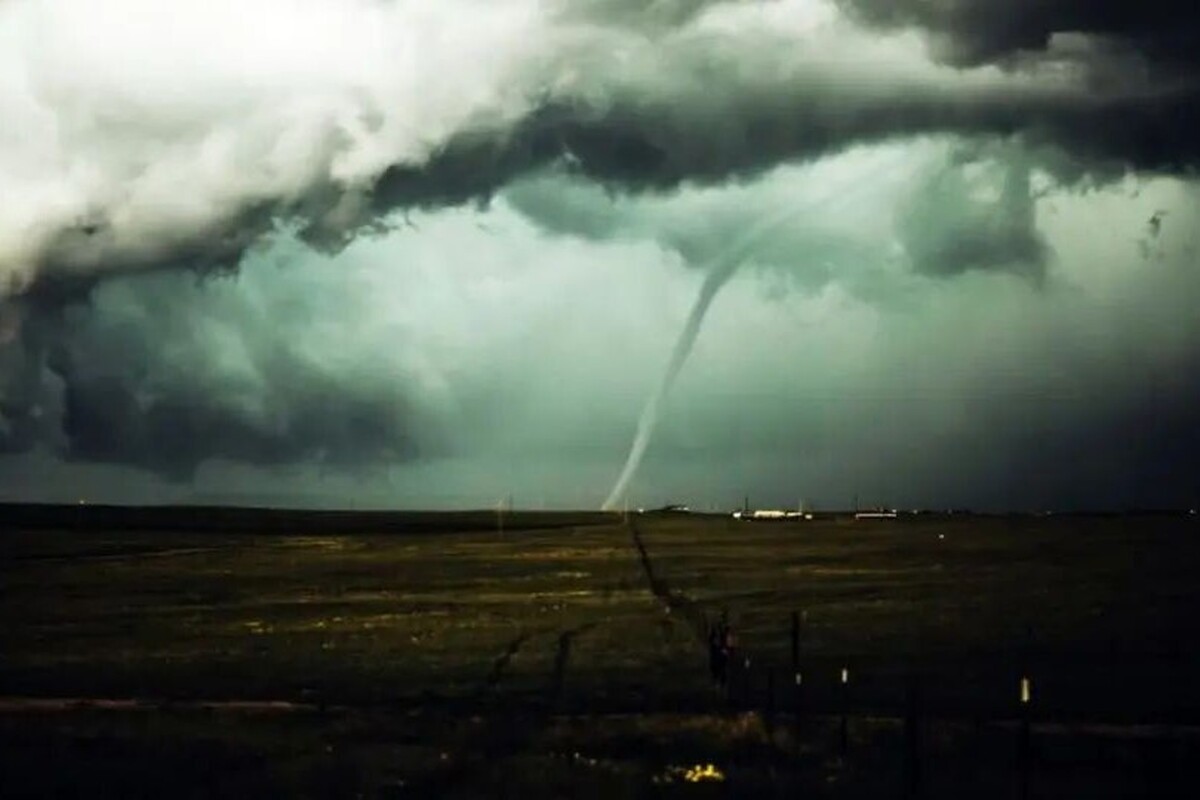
735,128
166,376
1141,454
28,404
107,419
972,208
969,32
1123,443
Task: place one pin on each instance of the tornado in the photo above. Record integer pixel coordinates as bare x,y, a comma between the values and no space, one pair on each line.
720,270
713,282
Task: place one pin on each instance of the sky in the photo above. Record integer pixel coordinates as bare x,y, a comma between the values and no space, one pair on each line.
359,253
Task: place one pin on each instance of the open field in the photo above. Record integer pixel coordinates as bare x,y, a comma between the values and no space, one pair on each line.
440,656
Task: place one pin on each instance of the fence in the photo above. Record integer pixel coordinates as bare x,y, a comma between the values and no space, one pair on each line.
814,691
818,698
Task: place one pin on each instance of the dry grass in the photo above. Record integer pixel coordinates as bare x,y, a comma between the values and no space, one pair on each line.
541,661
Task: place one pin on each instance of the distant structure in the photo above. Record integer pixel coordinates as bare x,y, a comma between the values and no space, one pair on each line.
877,514
771,513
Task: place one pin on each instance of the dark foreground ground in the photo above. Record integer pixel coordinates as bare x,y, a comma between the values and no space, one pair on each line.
564,656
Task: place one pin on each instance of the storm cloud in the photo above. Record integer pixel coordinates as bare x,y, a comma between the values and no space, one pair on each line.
1164,33
163,372
190,195
148,138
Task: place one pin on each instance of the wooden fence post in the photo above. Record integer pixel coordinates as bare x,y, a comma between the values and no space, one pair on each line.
747,686
1024,745
912,740
1025,701
797,675
770,707
844,733
798,699
795,642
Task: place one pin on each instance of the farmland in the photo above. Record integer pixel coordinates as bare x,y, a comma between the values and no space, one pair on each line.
563,654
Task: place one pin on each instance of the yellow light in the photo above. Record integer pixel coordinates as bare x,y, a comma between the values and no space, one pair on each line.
1026,690
703,772
697,773
845,675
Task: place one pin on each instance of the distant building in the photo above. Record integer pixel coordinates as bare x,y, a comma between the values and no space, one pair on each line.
880,514
771,513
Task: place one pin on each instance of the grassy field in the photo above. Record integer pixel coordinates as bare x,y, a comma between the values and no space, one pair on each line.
1099,611
557,658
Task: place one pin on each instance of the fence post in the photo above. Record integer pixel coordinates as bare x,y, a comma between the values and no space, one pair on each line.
1025,701
795,642
730,678
797,676
798,701
770,708
747,686
912,739
844,733
1024,748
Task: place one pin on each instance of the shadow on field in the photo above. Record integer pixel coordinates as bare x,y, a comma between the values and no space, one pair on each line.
496,674
499,736
561,657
